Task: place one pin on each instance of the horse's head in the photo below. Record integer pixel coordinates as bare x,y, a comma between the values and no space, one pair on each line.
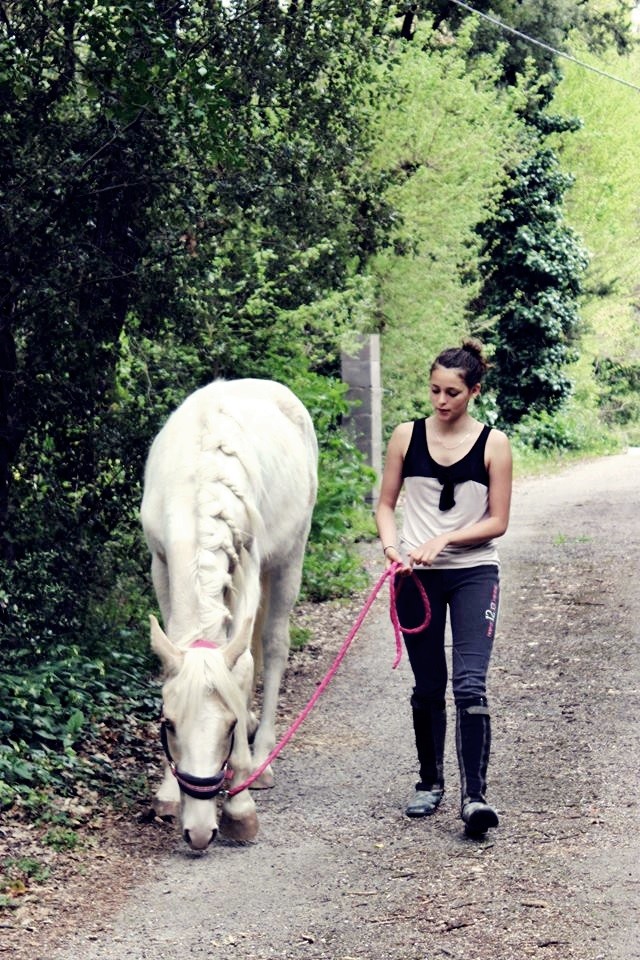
204,702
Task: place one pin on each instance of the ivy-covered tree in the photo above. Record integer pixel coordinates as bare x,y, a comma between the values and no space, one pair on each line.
448,135
532,269
533,263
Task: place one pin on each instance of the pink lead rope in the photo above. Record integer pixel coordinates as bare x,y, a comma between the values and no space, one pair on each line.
394,590
324,683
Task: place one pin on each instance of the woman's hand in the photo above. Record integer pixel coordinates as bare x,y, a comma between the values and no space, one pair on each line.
391,556
426,553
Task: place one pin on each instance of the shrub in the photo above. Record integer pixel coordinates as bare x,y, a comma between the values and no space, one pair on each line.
544,432
51,715
342,515
619,384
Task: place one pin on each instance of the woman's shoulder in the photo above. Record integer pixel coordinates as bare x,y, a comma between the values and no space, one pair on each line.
498,438
498,449
401,437
403,430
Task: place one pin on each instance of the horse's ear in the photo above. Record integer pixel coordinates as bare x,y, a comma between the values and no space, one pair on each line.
239,644
166,651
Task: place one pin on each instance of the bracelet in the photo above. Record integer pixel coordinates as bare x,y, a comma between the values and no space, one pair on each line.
391,546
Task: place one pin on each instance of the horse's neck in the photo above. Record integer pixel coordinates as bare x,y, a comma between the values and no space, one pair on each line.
207,601
194,618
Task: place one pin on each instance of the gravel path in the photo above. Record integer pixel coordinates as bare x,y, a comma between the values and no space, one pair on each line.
339,873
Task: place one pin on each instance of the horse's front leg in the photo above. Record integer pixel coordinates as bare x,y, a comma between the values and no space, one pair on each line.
166,802
275,652
239,818
160,580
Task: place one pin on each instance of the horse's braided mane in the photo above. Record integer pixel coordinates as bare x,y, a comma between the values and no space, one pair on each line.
228,483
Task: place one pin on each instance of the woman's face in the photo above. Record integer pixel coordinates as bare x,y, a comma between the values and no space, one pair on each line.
450,395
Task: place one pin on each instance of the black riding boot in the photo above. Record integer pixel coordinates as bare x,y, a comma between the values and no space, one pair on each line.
473,744
430,727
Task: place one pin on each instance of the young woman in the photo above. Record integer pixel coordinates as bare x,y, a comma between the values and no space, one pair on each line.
456,474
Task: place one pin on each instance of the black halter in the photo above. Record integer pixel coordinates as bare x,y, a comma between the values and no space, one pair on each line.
200,788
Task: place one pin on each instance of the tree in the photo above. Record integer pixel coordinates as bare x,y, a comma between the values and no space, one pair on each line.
447,135
532,270
103,108
534,328
603,205
550,22
181,185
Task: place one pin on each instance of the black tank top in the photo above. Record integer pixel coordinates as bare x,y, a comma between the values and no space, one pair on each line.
418,462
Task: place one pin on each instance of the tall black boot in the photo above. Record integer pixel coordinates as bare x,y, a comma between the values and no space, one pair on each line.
473,744
430,728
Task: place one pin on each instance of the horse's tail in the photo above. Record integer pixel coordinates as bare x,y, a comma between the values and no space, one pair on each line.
228,522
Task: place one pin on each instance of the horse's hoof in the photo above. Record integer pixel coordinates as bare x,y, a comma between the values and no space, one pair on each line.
239,830
166,810
265,781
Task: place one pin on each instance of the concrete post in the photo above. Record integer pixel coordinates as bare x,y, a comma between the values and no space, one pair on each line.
361,371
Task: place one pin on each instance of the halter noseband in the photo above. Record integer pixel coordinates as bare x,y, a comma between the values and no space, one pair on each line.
200,788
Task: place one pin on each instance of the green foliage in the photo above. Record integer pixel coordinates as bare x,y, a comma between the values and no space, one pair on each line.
619,383
16,876
24,867
299,636
342,515
61,838
448,134
550,22
190,196
532,271
50,714
542,431
93,98
185,193
591,29
604,155
543,441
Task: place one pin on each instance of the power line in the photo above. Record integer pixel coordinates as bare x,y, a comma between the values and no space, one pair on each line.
545,46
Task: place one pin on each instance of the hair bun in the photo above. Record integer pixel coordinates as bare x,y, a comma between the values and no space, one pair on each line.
469,358
474,347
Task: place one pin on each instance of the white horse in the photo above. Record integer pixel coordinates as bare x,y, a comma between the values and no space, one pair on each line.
230,485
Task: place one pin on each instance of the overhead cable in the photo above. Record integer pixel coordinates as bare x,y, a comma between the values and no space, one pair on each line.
545,46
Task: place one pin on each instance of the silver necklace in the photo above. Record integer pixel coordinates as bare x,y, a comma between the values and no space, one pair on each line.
451,446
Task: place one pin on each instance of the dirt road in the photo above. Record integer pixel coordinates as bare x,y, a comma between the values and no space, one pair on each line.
338,873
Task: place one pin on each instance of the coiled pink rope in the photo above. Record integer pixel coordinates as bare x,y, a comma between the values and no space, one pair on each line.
388,574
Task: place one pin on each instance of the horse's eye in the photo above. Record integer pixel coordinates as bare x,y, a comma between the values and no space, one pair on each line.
170,726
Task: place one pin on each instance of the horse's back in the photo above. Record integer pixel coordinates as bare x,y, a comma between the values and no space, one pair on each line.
254,437
252,393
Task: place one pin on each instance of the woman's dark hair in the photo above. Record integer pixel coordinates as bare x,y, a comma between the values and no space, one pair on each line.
469,358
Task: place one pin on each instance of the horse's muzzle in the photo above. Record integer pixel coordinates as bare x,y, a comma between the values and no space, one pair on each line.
198,840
